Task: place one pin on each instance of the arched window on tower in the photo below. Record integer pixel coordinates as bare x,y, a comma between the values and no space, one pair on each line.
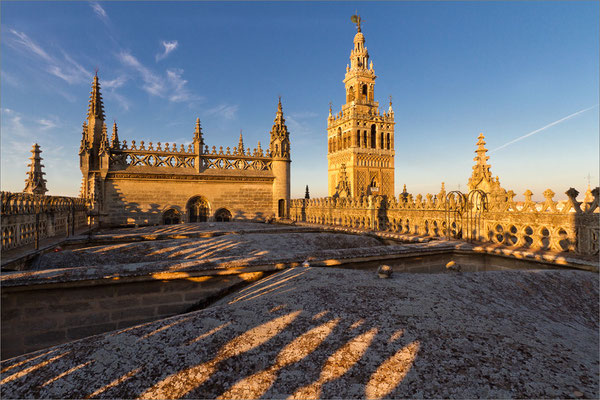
381,141
365,139
350,95
357,138
373,136
364,92
388,141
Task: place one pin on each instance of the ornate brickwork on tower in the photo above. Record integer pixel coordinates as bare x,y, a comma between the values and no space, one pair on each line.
146,183
360,139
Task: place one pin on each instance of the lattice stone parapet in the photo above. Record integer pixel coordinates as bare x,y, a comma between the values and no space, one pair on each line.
141,158
225,162
566,226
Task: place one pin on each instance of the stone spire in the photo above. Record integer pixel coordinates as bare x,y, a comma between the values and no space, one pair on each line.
104,145
198,132
482,178
241,144
96,107
307,194
280,138
35,183
115,144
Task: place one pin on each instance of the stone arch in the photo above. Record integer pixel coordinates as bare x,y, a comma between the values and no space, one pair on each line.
198,209
373,136
171,216
223,215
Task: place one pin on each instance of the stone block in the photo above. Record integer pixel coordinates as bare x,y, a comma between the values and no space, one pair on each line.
162,298
44,339
131,313
86,319
119,302
73,307
170,309
9,313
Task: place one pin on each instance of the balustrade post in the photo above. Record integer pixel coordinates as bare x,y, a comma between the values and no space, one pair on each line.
37,230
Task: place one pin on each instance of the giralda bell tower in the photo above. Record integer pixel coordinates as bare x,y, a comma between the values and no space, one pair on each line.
360,152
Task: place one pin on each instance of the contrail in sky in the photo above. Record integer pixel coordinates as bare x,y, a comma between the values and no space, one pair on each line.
543,128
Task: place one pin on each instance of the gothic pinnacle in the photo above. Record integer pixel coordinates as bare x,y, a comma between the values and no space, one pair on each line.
35,182
115,136
241,144
96,107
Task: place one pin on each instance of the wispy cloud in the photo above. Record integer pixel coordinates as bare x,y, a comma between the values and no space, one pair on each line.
169,46
13,123
172,86
110,91
299,122
65,67
48,123
115,83
22,40
99,11
224,111
543,128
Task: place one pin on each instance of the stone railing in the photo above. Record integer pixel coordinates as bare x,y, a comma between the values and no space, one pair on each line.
170,156
27,218
567,226
142,156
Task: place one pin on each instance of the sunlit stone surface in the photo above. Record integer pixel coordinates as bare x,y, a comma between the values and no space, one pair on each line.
326,332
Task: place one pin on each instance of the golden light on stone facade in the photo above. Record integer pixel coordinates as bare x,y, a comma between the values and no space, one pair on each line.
360,139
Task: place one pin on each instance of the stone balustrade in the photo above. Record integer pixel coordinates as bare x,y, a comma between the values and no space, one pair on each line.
566,226
27,218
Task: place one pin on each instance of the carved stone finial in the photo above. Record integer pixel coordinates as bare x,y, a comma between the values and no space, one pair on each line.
241,144
549,194
115,137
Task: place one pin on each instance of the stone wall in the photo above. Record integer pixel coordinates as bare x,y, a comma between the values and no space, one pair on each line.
38,316
144,201
568,226
27,218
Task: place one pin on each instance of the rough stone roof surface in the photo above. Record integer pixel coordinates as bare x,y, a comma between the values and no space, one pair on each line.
241,247
334,333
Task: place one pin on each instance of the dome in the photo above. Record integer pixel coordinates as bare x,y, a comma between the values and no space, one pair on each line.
359,37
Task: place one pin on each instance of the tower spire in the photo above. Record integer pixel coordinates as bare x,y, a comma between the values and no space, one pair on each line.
280,138
35,182
96,107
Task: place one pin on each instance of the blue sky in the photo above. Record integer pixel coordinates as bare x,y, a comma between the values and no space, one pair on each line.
454,69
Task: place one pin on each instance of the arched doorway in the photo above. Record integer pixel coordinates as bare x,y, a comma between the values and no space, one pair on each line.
198,209
281,208
171,216
223,215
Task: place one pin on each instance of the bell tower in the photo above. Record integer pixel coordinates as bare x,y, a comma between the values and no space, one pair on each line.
360,139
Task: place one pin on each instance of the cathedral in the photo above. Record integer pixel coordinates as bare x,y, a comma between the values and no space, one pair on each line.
360,139
149,183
